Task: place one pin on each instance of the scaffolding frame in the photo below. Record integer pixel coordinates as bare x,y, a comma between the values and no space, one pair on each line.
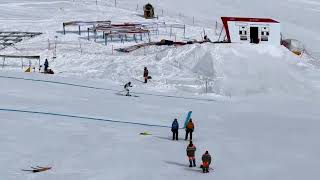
120,30
9,38
79,24
4,57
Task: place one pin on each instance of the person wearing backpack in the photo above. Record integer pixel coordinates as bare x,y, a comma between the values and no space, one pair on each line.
206,161
175,129
189,129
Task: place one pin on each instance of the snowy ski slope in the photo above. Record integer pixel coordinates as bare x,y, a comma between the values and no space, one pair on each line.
260,119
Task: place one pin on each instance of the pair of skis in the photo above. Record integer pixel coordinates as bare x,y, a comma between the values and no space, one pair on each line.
37,169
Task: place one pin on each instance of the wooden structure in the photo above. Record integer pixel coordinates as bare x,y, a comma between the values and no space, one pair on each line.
9,38
4,57
148,11
79,24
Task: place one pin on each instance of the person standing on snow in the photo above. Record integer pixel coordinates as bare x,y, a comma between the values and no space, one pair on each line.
191,149
145,74
126,88
206,161
189,129
46,65
175,129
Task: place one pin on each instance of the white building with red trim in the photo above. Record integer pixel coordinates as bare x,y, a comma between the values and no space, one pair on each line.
252,30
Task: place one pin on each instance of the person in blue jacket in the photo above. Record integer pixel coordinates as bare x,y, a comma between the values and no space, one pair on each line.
175,129
46,65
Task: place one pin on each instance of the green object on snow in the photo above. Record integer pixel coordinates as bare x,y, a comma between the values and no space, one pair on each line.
145,133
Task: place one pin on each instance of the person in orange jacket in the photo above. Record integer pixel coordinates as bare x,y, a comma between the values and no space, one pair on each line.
189,129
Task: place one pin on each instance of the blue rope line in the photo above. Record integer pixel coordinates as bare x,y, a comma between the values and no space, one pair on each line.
107,89
82,117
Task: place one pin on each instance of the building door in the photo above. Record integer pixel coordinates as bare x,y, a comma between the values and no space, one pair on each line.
254,35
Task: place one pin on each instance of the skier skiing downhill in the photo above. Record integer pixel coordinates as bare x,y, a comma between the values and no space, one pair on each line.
191,149
206,161
175,129
189,129
126,88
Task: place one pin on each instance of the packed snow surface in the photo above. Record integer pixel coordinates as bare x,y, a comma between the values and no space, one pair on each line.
255,107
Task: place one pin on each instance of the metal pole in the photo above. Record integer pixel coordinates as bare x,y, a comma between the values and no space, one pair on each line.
79,30
206,87
88,34
80,46
3,61
55,47
216,27
184,31
64,29
112,49
220,33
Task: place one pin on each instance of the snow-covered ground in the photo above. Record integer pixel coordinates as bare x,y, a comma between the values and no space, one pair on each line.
259,120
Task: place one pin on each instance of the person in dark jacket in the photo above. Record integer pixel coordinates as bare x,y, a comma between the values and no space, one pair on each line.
145,74
206,161
189,129
46,65
191,150
175,129
126,88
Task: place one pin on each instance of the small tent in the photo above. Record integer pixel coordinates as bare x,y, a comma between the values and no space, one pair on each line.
148,11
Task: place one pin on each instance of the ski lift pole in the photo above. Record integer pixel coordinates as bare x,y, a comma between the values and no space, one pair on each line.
4,59
206,86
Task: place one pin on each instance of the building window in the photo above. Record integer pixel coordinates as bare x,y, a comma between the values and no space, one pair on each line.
265,32
243,33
